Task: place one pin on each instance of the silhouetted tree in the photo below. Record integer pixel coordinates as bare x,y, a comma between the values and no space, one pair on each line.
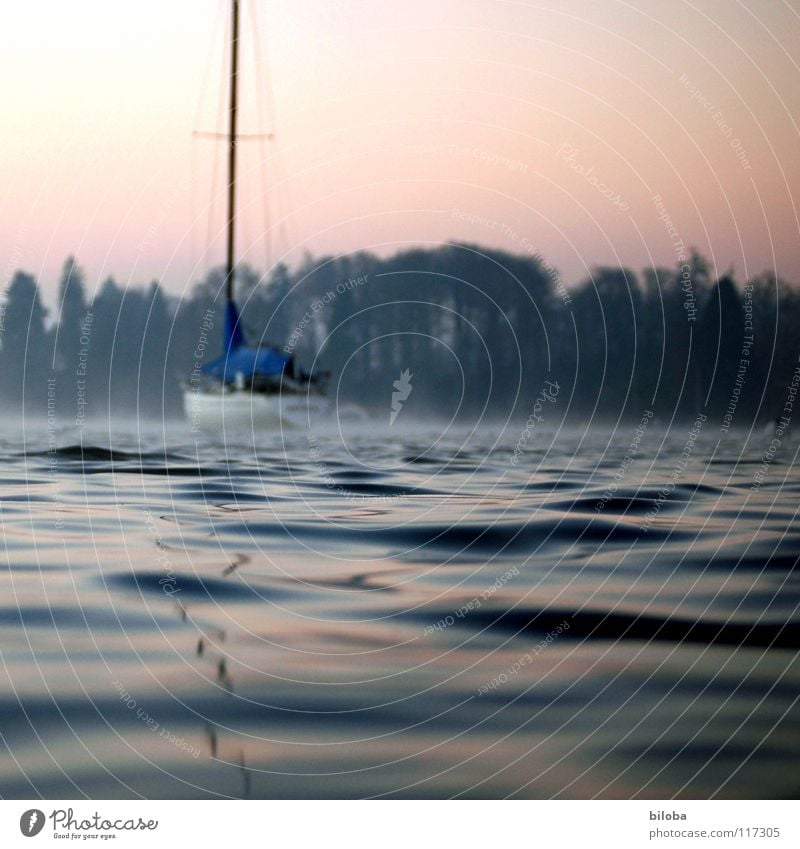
719,345
23,377
71,315
480,330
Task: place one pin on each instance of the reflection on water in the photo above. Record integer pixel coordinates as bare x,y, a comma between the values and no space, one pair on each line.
331,618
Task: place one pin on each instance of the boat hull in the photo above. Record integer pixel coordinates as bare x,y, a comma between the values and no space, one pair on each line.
242,409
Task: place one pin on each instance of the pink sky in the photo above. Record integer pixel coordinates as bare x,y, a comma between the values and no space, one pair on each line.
522,125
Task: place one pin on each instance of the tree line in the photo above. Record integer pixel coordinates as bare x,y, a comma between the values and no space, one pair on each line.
479,332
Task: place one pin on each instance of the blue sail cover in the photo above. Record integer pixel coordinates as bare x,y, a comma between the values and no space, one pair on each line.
249,362
234,336
239,359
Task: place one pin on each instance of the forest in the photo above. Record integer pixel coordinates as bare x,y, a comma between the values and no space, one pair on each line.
478,330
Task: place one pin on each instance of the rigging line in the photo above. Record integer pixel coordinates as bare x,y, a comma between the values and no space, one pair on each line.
220,112
281,197
259,71
281,190
210,52
192,210
201,94
244,218
232,151
265,113
282,201
286,203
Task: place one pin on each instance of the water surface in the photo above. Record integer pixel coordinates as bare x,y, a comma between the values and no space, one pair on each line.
430,615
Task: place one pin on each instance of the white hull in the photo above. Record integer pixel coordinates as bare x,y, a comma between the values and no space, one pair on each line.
238,409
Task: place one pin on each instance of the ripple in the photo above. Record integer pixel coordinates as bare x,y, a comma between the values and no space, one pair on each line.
177,585
600,626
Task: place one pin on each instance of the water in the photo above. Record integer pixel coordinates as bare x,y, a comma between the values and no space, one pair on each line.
430,615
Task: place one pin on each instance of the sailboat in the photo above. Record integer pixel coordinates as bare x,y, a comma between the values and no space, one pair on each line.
258,386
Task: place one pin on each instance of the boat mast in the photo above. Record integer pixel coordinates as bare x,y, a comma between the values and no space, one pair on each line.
232,149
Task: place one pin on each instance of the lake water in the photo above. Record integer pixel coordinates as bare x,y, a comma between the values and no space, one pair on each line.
400,614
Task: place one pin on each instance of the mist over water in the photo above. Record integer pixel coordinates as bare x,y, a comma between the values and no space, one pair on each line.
400,611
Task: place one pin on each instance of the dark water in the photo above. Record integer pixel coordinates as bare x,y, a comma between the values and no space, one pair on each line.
424,616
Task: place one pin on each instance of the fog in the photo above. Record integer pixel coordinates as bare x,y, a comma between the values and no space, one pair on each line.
479,333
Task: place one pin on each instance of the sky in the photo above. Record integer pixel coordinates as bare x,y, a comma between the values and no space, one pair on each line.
590,132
